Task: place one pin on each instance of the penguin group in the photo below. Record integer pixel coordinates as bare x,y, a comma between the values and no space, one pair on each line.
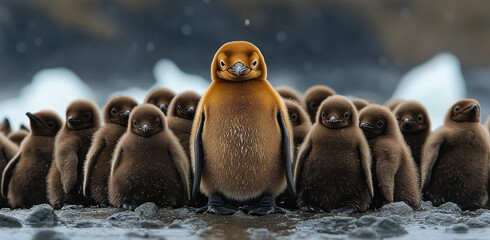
246,146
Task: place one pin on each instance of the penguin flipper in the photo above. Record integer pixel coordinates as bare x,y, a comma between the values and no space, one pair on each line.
387,164
198,157
286,152
430,154
365,155
92,157
7,174
303,154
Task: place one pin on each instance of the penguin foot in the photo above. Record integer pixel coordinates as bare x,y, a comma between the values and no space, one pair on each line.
312,209
129,206
345,210
216,205
266,206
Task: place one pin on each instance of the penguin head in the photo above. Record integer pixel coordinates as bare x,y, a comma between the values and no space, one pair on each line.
238,61
146,120
5,126
117,110
289,93
376,120
184,105
360,103
161,98
337,112
44,123
466,110
82,114
314,96
297,114
412,117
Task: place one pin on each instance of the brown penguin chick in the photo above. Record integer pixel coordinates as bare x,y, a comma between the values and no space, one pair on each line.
393,103
160,97
98,164
65,177
301,126
5,127
360,103
241,144
414,123
395,175
8,149
333,168
289,93
18,136
314,96
149,164
455,159
24,178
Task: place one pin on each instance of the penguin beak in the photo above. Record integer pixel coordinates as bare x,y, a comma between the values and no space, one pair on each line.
146,128
125,113
366,127
238,69
333,119
408,121
189,112
32,117
164,107
471,108
74,120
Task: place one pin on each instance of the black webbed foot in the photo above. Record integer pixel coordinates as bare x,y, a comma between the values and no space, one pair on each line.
216,205
266,205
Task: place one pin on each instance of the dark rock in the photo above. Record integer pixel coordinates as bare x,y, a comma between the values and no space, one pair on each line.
485,217
426,205
449,207
175,226
68,214
42,215
260,234
87,224
125,216
366,220
440,219
138,235
72,207
386,227
9,222
148,209
362,233
396,218
49,235
474,223
152,224
458,228
334,225
396,208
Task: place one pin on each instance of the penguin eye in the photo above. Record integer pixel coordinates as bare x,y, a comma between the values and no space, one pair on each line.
50,124
324,115
380,124
457,109
134,123
254,63
398,118
179,108
294,117
312,105
87,115
420,118
157,121
222,63
346,115
113,111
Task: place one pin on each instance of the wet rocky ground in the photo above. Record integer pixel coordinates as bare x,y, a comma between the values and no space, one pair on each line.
394,221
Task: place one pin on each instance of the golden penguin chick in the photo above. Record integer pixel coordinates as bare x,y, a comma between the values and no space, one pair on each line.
329,177
8,149
289,93
160,97
414,123
149,165
18,136
301,126
314,96
395,175
5,127
360,103
98,164
393,103
24,178
241,144
65,177
455,159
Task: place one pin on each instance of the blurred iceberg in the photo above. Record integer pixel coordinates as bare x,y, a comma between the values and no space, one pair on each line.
50,89
169,75
437,83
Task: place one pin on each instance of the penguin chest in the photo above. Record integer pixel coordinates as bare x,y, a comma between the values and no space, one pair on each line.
242,143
